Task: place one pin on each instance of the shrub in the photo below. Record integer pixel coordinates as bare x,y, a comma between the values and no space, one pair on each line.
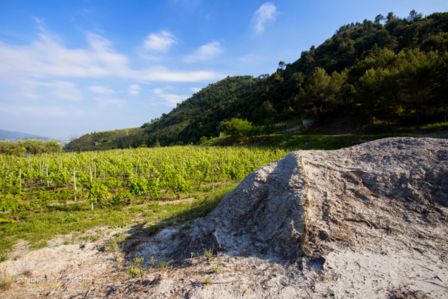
136,269
236,127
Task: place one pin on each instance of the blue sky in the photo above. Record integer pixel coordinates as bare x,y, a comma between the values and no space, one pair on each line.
74,67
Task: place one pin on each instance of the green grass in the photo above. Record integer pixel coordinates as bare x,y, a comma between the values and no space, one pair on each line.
39,227
312,140
136,269
434,127
291,141
182,212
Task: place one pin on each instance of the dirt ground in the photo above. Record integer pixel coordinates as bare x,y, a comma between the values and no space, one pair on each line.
370,221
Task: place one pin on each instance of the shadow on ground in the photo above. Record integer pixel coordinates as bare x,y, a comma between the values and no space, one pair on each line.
261,218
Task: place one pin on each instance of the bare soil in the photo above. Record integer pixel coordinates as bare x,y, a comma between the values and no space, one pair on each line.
370,221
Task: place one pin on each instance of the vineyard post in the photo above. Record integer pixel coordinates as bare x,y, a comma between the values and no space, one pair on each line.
90,173
20,180
213,177
94,170
46,174
182,168
74,181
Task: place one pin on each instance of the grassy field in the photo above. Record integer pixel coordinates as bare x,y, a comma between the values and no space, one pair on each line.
47,195
37,228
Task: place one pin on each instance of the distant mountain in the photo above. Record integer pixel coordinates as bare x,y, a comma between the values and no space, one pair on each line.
12,135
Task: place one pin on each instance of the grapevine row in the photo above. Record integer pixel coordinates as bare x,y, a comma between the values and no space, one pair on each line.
119,176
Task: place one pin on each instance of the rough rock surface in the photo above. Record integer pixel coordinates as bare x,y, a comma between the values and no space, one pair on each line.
381,206
369,221
312,202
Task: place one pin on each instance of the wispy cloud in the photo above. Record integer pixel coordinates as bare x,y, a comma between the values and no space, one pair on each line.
204,52
63,90
41,110
160,42
101,90
266,13
47,58
134,89
171,99
108,102
163,74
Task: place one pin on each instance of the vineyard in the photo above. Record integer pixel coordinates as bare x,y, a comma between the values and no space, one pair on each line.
121,177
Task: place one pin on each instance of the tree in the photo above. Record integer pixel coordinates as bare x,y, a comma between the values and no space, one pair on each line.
379,18
236,127
390,18
281,65
417,74
322,91
414,16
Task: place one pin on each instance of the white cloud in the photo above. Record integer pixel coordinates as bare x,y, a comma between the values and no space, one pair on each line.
98,89
46,58
134,89
159,42
107,102
171,99
267,12
204,52
18,88
25,89
63,90
42,110
163,74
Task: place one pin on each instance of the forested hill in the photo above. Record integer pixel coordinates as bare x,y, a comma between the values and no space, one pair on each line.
389,70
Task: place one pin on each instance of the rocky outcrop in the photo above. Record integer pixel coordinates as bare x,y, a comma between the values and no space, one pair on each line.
312,202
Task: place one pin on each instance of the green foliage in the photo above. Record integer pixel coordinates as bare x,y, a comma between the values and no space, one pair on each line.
136,269
120,177
121,198
236,127
30,147
99,194
388,70
124,138
208,254
39,227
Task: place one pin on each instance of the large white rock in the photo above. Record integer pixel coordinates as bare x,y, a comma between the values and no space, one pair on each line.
311,203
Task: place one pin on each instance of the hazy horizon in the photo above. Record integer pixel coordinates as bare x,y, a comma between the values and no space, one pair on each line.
72,67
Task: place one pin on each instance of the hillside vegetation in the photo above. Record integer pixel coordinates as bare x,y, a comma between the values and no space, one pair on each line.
28,147
123,138
386,72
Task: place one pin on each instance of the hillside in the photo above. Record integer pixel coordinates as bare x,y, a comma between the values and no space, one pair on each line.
389,71
12,135
123,138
